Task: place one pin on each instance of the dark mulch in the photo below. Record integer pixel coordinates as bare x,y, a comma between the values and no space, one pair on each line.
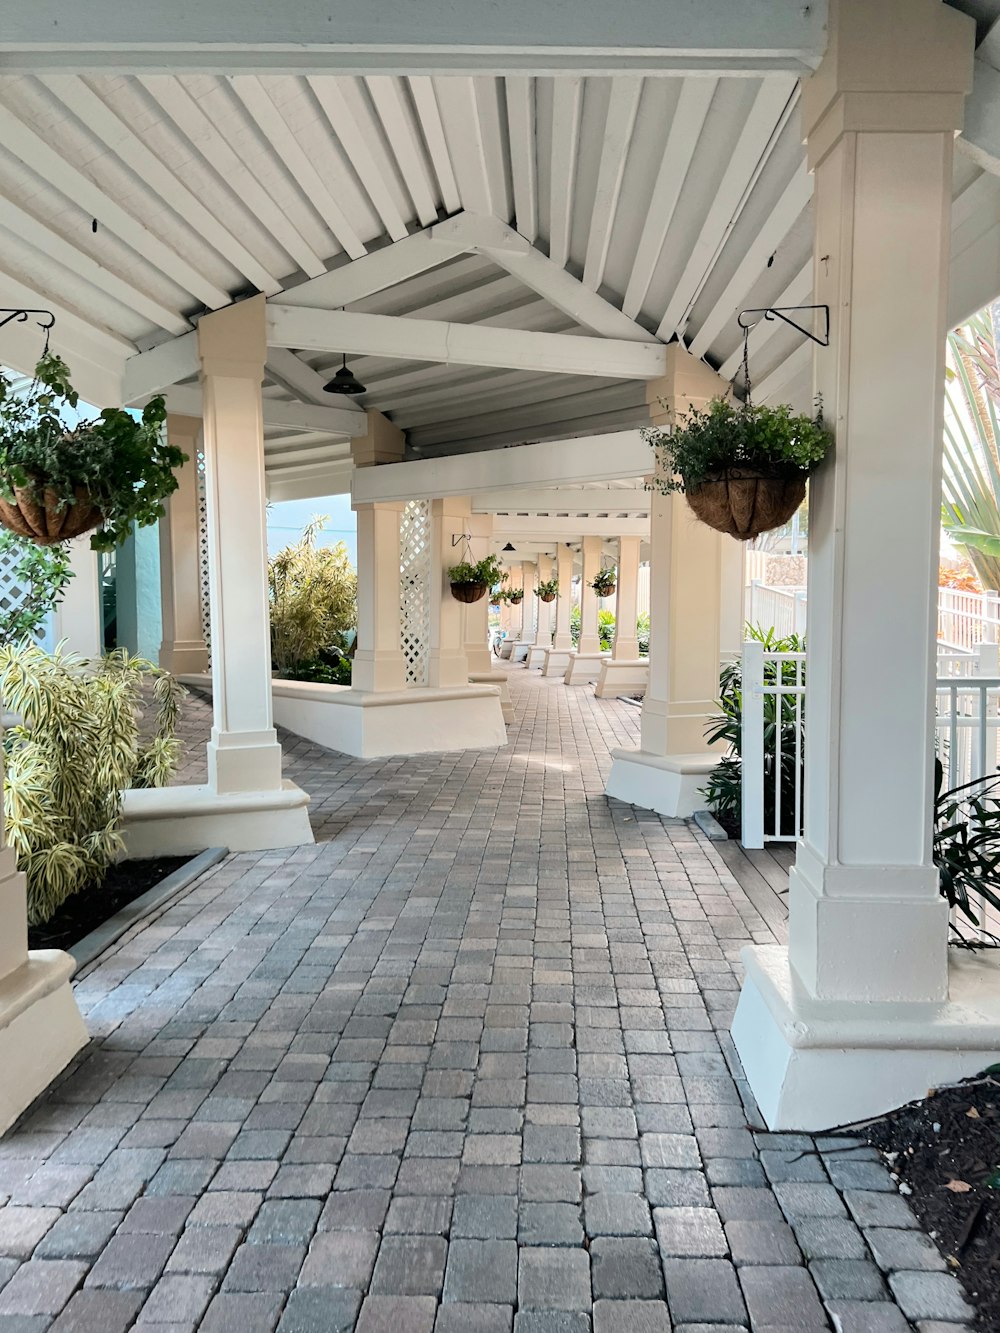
946,1150
85,911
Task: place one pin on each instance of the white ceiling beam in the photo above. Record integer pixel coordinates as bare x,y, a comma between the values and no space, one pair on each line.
298,378
564,142
562,500
611,457
168,363
623,104
520,92
771,106
282,450
532,419
460,116
795,364
101,120
682,140
461,344
275,129
386,93
980,137
187,399
310,482
357,137
511,251
36,154
513,526
210,139
429,115
397,35
374,272
753,263
798,292
974,280
572,428
33,232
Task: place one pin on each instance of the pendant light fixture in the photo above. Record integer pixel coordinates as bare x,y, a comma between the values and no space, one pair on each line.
344,382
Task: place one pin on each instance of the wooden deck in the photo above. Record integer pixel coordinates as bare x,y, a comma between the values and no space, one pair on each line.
763,876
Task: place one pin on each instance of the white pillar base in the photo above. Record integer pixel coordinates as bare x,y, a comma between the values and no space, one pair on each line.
668,784
183,658
536,656
519,650
623,675
556,661
41,1029
813,1064
585,668
506,648
171,821
377,725
502,682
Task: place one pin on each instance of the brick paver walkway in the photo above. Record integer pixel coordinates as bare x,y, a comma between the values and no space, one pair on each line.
462,1066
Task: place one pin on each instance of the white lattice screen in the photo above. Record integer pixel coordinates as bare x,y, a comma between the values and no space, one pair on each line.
206,617
414,588
13,593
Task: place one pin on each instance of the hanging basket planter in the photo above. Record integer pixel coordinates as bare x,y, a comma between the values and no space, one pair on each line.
744,503
548,591
469,592
605,583
39,515
546,597
742,468
515,596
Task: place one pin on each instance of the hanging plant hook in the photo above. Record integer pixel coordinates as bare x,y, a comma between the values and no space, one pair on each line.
13,313
782,313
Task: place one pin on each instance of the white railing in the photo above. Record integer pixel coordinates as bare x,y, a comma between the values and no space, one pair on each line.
780,609
774,691
967,619
967,728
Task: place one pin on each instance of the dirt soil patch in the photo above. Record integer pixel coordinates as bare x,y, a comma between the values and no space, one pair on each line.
85,911
946,1153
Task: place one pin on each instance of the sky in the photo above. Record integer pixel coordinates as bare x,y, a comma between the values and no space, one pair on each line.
286,520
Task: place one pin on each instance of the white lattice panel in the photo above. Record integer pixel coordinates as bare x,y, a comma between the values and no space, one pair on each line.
414,588
206,616
13,593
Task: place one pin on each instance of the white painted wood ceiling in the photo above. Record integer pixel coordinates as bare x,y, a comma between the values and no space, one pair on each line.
679,200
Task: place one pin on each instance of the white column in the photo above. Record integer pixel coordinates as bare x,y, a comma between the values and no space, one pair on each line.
590,641
563,639
476,615
448,664
868,929
530,605
626,644
183,647
243,754
79,617
544,610
378,660
731,618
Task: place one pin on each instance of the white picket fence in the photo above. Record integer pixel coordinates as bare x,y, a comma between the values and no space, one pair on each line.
967,729
780,609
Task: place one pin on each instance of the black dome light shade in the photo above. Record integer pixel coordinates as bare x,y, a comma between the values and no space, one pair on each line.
510,547
344,382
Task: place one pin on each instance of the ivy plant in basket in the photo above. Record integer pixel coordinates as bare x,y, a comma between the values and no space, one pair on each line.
547,591
605,582
515,596
61,477
743,468
471,582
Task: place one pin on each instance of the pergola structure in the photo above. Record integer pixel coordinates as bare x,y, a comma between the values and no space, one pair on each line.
531,237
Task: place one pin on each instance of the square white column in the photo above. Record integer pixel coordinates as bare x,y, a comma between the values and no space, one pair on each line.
563,638
378,659
544,611
79,617
626,644
590,641
529,604
448,664
243,753
476,615
183,648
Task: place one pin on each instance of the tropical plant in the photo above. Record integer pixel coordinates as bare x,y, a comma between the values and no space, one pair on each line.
605,582
723,790
60,476
83,740
313,593
967,849
329,669
548,590
642,632
43,573
489,571
971,476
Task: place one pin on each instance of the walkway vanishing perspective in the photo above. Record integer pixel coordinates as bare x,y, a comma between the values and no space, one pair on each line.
462,1067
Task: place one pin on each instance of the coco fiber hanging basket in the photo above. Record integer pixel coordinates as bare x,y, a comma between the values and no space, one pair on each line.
469,592
744,503
42,518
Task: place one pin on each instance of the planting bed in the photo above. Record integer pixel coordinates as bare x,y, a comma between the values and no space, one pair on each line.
85,911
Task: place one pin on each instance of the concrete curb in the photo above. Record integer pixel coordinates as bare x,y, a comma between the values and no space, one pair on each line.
94,944
710,826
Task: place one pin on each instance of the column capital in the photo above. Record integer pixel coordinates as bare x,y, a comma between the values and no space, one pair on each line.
898,66
233,342
383,443
687,383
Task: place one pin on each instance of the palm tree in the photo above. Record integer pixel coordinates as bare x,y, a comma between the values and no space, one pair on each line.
971,480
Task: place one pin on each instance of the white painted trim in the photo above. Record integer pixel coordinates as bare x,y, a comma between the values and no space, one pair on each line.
462,344
597,458
564,501
186,399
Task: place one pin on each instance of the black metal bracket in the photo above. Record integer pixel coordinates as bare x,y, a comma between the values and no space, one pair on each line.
782,313
21,316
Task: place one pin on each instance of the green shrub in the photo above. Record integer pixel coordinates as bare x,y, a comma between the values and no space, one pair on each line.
642,632
489,571
44,573
323,671
314,598
79,745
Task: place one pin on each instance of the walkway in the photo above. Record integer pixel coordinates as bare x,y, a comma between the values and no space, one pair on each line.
462,1066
